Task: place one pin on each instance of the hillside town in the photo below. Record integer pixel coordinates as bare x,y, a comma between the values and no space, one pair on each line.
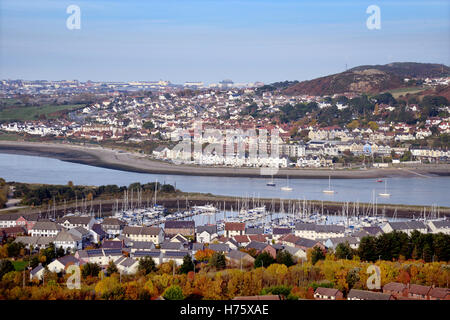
312,131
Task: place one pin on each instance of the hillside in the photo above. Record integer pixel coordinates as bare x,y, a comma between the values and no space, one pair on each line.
369,79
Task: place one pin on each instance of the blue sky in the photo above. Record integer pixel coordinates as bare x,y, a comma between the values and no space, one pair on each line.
207,40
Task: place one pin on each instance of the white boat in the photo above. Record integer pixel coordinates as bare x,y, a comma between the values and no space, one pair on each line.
287,188
208,208
385,193
329,190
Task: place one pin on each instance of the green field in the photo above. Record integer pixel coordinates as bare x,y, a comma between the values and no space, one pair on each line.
402,91
33,113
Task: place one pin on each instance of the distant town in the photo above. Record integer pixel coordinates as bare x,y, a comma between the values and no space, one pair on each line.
328,131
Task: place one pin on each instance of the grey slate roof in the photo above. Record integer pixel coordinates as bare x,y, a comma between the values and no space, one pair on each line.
407,225
142,245
46,225
198,246
175,254
150,253
307,243
256,245
179,224
66,236
281,231
367,295
254,231
219,247
237,255
153,231
75,219
208,229
68,259
320,227
167,245
442,223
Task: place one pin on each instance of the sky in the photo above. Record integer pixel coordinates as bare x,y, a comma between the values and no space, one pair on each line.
211,40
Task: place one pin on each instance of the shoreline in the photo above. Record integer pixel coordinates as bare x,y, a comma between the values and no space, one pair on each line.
134,162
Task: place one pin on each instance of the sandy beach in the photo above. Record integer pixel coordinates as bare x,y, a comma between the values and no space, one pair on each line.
114,159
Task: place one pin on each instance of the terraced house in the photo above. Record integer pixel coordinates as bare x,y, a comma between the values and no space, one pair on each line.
315,231
45,229
149,234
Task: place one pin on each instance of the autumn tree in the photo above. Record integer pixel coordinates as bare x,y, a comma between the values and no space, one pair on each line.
110,289
173,292
204,255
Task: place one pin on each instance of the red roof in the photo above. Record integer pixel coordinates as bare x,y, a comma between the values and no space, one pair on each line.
234,226
241,239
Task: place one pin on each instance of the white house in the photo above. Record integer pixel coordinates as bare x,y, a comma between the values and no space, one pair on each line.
127,265
317,231
206,234
70,222
151,234
59,265
67,240
437,226
407,227
45,229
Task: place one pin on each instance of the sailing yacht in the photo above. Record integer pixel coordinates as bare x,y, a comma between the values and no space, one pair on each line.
287,188
271,183
329,190
384,194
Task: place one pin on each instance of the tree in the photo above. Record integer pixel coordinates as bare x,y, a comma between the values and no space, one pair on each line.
343,251
317,254
203,255
146,265
5,267
90,269
14,249
112,268
218,260
367,249
148,125
264,259
173,292
188,264
286,258
110,289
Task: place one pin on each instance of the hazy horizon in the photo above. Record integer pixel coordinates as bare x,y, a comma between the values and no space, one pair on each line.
208,41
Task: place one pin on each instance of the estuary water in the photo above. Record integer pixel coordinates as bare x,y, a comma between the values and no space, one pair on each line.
414,190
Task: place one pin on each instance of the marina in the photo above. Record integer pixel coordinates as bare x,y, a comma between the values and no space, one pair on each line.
407,191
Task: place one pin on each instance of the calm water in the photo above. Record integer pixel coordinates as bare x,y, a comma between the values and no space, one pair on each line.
417,190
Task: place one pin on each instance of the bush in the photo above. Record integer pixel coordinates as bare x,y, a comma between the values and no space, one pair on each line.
173,292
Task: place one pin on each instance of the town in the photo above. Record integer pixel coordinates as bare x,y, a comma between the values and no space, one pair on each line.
331,131
142,250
